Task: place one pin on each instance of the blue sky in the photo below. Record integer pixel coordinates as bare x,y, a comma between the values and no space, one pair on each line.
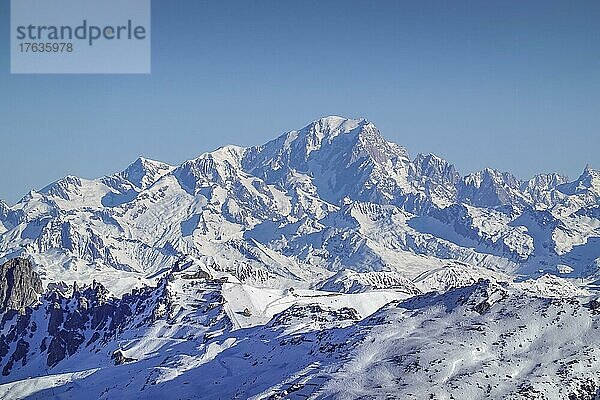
512,85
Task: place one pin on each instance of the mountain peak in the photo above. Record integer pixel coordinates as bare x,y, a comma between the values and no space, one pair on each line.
491,188
337,123
434,175
588,181
230,153
143,172
294,148
432,163
143,161
326,129
63,187
147,164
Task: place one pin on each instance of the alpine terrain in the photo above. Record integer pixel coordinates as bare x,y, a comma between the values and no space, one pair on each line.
326,263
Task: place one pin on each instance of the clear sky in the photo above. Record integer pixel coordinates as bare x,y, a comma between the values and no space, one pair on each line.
513,85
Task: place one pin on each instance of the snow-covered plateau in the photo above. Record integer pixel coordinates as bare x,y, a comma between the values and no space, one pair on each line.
326,263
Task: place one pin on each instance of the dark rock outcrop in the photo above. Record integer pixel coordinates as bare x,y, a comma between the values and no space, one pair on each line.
87,310
87,318
119,358
20,285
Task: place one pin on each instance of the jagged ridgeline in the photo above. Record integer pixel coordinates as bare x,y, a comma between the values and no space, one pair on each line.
41,331
272,271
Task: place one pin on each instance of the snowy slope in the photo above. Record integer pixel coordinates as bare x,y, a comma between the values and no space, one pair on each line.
489,340
481,341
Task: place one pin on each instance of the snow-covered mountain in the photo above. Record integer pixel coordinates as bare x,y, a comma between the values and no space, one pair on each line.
178,270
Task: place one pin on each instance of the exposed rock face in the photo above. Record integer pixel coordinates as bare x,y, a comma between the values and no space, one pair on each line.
20,285
88,318
119,358
88,311
314,313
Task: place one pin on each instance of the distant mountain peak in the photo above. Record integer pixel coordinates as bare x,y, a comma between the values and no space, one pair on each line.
428,164
230,153
325,129
144,171
334,123
430,158
588,182
64,187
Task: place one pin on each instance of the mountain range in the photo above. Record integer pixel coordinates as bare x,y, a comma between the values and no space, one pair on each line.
326,263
